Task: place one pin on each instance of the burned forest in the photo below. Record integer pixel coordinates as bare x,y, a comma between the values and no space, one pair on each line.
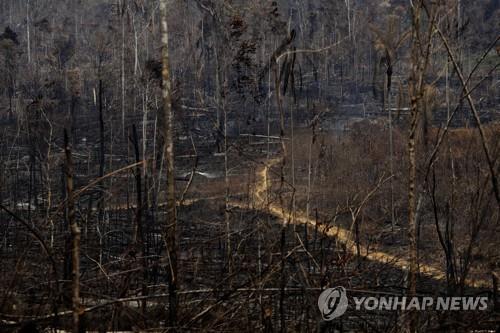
249,166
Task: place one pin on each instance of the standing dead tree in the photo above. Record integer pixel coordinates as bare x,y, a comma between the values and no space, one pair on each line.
169,230
75,236
421,49
387,43
139,233
414,90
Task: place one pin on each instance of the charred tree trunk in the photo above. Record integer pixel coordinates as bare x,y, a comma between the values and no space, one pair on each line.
75,237
139,230
101,132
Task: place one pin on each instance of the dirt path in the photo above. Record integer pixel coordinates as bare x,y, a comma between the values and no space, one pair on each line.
343,235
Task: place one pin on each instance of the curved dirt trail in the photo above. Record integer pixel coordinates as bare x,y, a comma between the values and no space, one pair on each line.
342,234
